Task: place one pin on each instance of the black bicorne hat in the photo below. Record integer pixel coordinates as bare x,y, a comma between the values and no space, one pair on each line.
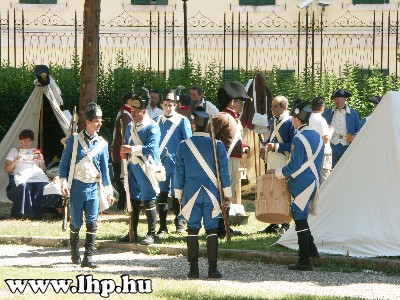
42,74
200,117
229,91
93,111
302,111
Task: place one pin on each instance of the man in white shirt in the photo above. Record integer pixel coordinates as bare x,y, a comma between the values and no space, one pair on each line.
152,109
345,123
196,94
319,124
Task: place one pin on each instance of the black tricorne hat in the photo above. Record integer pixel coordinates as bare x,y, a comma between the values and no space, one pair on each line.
42,74
138,102
93,111
341,93
302,111
374,99
200,117
229,91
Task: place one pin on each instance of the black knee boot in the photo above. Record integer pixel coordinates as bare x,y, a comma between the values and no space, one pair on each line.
313,248
179,225
193,252
74,241
303,235
162,214
151,214
212,253
89,246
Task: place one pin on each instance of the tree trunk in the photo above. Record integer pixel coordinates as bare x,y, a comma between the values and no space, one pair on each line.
90,57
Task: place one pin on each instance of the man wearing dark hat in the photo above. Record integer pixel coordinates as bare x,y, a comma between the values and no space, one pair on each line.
141,141
276,148
345,123
42,74
304,172
228,129
196,188
197,96
125,115
174,128
83,166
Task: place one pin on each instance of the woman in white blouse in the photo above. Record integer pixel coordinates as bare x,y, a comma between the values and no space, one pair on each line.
27,178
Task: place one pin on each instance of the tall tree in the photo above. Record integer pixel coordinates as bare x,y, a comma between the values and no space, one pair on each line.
90,57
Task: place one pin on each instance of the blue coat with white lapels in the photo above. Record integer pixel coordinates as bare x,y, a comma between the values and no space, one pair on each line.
304,169
195,173
145,139
352,119
173,130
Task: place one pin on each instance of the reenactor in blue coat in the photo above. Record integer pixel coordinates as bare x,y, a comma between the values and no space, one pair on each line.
83,165
345,123
174,128
304,172
196,188
276,149
142,139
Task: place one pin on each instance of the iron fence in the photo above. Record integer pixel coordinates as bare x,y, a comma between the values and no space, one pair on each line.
156,40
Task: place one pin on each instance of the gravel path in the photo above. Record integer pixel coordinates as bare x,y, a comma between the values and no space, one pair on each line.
241,275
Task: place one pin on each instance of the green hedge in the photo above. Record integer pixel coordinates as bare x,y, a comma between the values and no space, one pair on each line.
16,85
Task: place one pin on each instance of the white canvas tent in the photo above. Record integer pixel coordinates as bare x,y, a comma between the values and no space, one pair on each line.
29,118
359,207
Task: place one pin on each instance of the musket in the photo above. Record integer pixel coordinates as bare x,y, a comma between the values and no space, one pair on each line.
66,198
124,172
219,187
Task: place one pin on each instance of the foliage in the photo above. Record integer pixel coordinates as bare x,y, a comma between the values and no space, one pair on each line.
116,79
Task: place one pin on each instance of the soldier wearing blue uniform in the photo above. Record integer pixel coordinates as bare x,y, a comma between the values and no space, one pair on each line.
142,139
278,145
83,166
345,123
174,128
304,170
196,188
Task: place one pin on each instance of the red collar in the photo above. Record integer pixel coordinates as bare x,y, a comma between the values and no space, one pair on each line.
126,107
184,107
232,113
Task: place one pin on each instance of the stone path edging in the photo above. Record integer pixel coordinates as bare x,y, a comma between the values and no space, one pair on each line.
377,264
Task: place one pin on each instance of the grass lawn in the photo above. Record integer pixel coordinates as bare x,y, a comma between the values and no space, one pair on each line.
114,223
